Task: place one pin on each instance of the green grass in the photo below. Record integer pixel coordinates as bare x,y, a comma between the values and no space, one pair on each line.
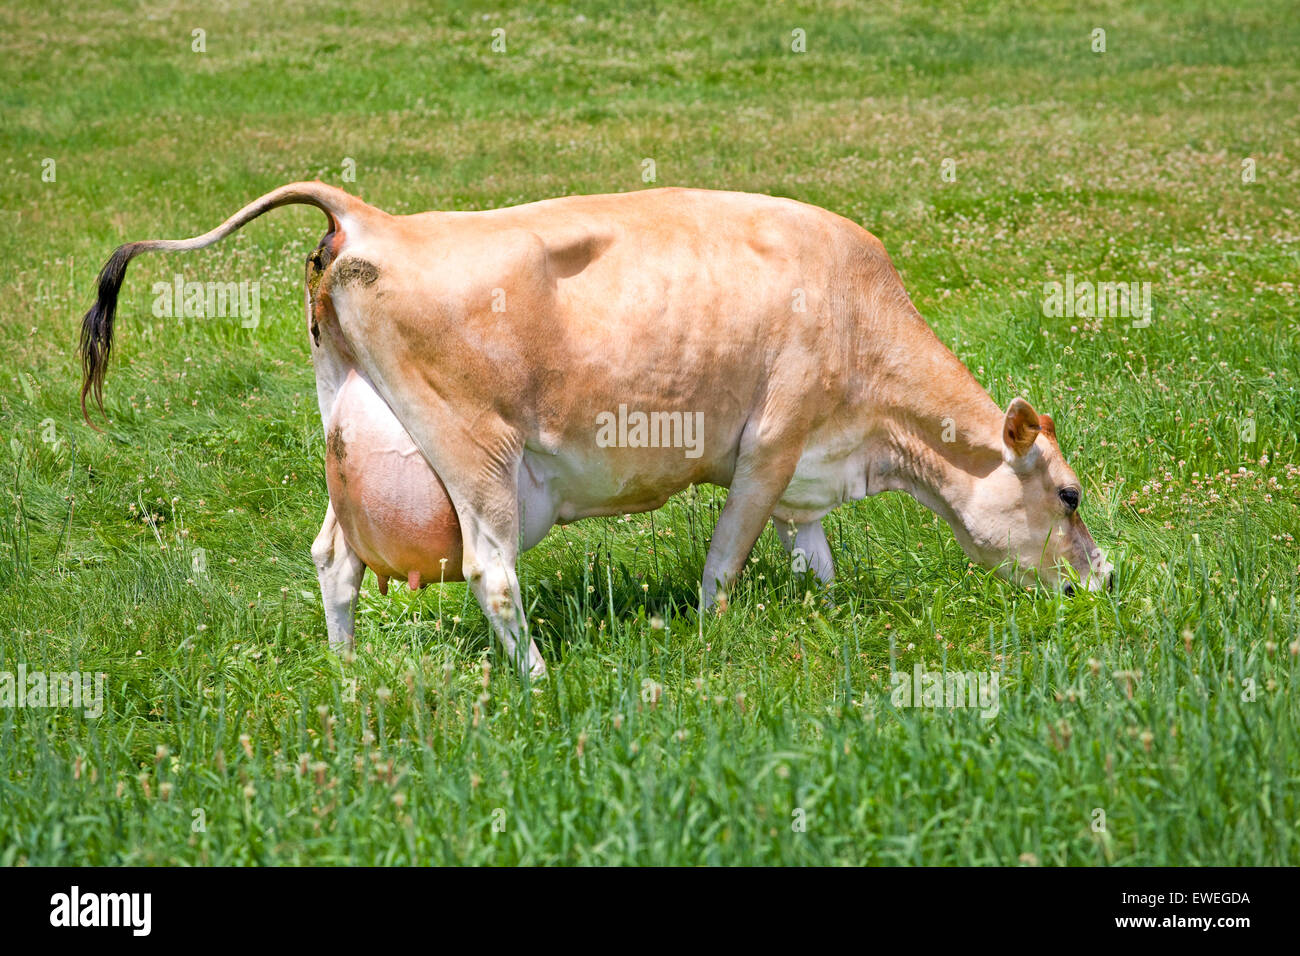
1169,705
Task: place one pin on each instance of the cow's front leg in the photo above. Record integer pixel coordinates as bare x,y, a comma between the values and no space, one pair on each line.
808,548
761,477
340,572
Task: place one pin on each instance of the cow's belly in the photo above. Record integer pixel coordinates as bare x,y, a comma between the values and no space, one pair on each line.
392,506
579,483
396,515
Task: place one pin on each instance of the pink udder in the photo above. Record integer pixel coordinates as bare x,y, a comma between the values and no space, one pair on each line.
391,504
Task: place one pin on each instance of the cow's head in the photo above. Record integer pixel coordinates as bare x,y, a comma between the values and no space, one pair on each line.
1022,517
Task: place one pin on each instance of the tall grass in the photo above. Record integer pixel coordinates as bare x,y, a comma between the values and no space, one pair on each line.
1153,725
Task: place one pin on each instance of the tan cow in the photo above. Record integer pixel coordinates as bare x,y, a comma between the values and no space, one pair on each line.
485,375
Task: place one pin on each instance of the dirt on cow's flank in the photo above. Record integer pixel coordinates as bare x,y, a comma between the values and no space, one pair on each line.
995,149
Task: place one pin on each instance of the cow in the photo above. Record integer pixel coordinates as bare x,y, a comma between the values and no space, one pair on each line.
483,376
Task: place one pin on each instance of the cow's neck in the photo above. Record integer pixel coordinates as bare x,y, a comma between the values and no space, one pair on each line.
939,432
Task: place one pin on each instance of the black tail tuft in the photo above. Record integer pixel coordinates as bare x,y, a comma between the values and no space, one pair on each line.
97,326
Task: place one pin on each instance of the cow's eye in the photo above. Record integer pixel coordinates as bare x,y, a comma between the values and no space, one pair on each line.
1070,498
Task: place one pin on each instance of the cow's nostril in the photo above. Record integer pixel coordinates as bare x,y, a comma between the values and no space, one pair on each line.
1069,589
1110,580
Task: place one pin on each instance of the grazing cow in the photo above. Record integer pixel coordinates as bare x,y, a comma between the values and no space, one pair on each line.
485,375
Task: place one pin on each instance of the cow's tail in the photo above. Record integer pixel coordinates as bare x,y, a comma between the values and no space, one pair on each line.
345,213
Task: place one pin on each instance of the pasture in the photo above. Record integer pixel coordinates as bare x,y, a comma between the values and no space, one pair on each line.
989,145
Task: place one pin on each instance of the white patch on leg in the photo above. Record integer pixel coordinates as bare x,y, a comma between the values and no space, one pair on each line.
808,538
496,587
340,572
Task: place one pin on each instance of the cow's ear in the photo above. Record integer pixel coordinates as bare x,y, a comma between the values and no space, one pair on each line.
1048,425
1020,427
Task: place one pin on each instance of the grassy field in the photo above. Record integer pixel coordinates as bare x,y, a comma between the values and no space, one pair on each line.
1154,725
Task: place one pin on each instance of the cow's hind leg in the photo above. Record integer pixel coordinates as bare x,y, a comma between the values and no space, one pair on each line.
488,506
477,457
340,572
808,548
490,557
